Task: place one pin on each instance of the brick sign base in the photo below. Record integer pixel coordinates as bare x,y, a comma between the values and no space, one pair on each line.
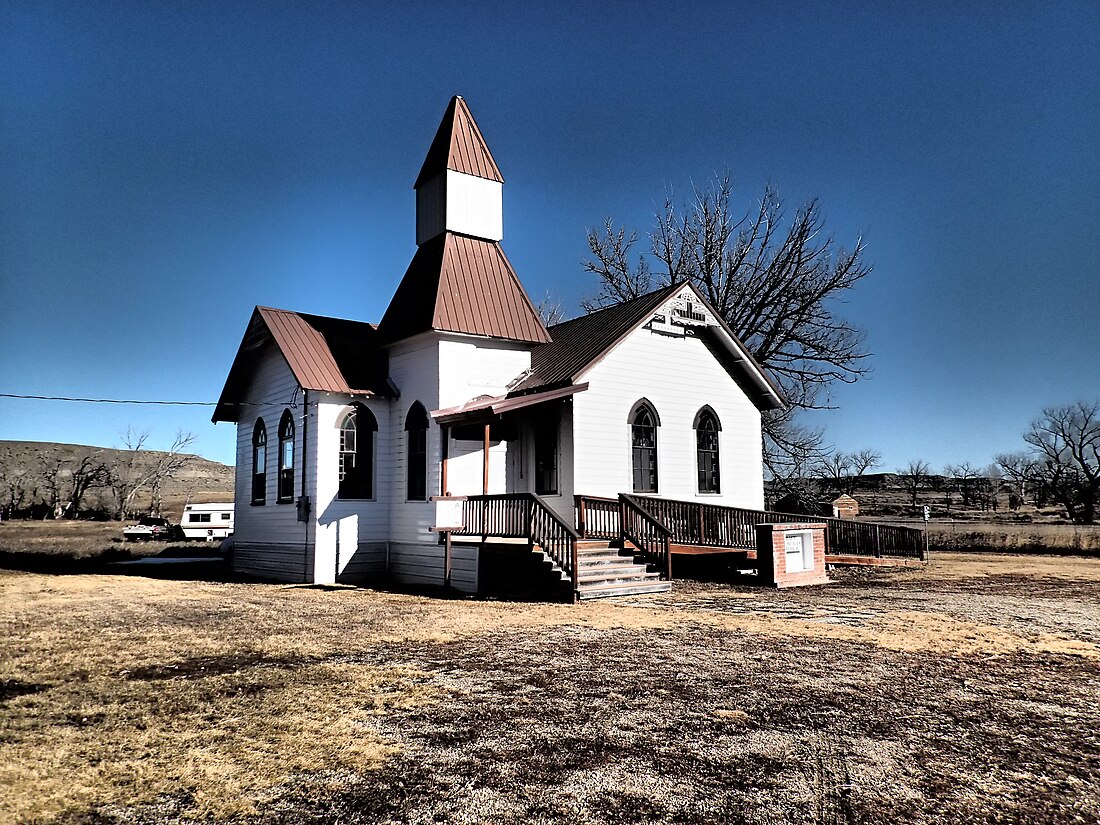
791,555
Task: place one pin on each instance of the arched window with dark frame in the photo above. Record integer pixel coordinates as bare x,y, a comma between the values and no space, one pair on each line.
707,427
357,429
416,456
285,490
259,462
643,439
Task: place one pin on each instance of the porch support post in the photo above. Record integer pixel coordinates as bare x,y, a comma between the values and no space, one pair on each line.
445,449
485,463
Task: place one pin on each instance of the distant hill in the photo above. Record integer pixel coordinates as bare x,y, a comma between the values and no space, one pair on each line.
25,464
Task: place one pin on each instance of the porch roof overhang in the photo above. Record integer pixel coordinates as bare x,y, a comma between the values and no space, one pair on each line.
486,408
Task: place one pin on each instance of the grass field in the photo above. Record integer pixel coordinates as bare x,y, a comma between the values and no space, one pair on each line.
964,692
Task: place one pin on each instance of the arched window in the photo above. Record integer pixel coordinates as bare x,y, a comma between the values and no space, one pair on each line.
416,425
286,458
643,438
357,431
707,428
259,462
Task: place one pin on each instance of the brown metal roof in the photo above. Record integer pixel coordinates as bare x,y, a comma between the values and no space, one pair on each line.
327,354
479,408
460,284
582,342
459,145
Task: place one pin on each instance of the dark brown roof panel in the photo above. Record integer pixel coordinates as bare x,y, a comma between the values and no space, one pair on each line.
326,354
582,341
460,146
460,284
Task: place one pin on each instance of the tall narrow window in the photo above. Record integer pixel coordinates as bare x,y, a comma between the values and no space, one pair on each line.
546,455
259,462
286,458
357,431
416,464
706,451
643,438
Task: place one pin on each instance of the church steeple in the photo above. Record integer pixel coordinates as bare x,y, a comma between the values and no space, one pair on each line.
460,280
459,188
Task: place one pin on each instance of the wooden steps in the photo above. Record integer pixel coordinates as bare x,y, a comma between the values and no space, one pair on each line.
603,572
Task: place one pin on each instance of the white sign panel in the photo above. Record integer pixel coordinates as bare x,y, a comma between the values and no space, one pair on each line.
448,513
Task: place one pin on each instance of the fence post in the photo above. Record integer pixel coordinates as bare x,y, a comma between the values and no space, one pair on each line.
581,516
878,542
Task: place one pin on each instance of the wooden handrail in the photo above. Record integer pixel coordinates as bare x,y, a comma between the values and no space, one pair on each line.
527,516
646,532
716,525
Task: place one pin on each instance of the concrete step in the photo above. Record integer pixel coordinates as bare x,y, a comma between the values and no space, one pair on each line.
606,591
586,544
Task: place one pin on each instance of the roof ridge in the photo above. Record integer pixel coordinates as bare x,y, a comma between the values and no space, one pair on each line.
650,294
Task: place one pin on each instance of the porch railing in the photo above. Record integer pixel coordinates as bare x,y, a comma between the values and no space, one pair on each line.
714,525
522,516
647,533
597,518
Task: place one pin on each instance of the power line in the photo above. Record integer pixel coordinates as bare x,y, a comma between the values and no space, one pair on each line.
127,401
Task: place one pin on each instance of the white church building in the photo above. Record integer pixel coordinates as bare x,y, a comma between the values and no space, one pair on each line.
352,436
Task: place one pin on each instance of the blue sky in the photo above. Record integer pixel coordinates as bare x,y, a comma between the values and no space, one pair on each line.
165,167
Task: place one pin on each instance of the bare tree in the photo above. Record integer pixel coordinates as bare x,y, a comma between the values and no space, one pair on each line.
550,309
1065,442
916,476
167,465
773,276
87,473
51,474
1022,470
17,484
129,476
836,468
962,477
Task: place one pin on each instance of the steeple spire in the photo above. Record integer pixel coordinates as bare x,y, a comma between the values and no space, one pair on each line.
460,280
459,146
459,188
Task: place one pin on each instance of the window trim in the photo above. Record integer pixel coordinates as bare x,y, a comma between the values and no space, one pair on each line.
259,449
644,405
416,421
365,426
284,475
706,415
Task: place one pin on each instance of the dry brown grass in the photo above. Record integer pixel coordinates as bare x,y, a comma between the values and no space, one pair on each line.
123,692
74,539
997,537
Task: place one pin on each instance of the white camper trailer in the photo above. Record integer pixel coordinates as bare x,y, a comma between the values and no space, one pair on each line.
207,521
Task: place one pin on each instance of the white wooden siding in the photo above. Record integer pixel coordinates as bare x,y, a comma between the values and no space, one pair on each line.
351,535
470,366
270,541
414,369
678,375
422,564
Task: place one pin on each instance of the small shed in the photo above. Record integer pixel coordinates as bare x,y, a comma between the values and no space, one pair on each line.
845,507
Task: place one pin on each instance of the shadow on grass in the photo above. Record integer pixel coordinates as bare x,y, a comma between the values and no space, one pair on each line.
175,562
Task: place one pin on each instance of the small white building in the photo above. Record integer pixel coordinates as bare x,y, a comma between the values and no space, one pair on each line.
348,430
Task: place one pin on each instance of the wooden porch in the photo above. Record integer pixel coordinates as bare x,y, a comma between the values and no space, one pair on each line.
626,545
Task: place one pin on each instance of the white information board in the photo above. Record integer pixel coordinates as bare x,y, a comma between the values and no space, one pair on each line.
448,513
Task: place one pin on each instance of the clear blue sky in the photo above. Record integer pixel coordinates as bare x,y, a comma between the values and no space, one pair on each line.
165,167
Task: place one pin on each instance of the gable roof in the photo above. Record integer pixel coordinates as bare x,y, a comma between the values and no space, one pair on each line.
581,343
460,146
326,354
456,283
